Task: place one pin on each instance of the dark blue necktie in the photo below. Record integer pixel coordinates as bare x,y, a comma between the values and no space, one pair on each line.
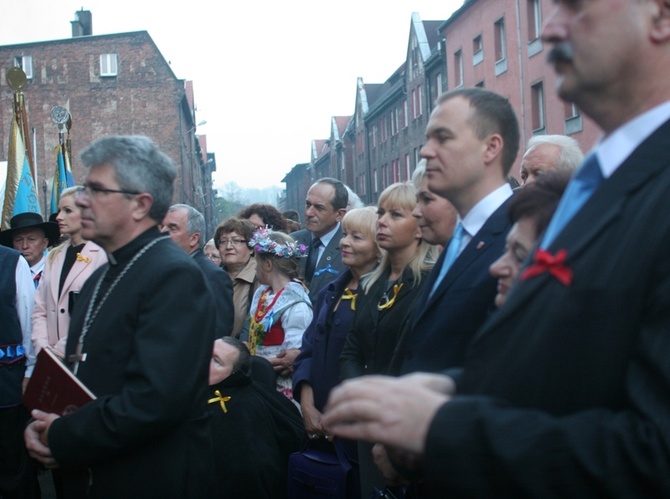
312,259
579,190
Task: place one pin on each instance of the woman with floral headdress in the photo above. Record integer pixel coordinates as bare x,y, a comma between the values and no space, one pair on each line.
280,310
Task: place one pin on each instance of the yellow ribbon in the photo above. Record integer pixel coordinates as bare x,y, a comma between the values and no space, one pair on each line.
348,295
82,258
385,303
220,399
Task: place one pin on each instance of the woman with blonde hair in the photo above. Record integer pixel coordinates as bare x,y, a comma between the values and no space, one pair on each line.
67,268
317,366
280,310
387,301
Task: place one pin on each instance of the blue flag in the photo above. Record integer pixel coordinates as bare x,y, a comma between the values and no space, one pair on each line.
62,179
20,191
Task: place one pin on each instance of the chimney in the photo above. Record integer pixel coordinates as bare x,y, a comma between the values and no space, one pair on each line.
82,24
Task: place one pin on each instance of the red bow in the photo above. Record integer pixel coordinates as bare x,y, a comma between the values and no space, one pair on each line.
546,262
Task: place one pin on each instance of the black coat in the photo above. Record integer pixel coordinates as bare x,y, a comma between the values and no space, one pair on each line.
375,334
253,438
222,290
565,389
148,351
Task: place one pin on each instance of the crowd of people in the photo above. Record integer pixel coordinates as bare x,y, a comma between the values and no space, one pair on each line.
466,337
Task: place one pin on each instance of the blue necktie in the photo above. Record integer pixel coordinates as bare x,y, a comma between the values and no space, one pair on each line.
579,190
452,253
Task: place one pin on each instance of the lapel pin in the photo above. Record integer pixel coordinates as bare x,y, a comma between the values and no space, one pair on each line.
480,245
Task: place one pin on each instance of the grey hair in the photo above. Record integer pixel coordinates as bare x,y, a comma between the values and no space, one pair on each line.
570,157
195,221
419,173
140,166
354,201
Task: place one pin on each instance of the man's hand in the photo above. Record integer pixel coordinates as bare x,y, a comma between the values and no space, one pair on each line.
36,436
283,362
396,412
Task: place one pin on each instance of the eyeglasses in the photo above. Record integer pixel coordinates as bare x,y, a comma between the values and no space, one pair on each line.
93,191
234,242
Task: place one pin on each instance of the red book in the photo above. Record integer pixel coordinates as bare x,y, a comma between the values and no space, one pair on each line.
53,387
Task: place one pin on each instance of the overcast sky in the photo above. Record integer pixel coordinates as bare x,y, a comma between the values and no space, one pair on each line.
267,75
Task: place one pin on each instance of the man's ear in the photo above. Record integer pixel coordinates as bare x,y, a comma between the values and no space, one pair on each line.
660,29
340,214
195,240
143,203
494,146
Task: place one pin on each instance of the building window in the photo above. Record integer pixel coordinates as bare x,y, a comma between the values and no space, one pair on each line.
404,114
573,119
458,68
413,97
477,50
361,184
375,181
500,46
438,85
534,27
407,173
419,102
534,20
537,108
25,62
108,65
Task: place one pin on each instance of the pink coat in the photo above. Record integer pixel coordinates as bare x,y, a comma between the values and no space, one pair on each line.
51,318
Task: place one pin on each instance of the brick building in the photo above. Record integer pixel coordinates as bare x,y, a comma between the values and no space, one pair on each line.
485,43
111,84
497,45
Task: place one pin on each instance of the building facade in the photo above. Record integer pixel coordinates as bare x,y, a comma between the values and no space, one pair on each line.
116,84
485,43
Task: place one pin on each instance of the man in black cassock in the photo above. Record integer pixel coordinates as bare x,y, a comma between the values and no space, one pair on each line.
140,338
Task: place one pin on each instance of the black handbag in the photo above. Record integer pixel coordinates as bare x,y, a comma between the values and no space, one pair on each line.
322,470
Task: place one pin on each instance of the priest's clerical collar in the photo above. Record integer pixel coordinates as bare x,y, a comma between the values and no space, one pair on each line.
125,253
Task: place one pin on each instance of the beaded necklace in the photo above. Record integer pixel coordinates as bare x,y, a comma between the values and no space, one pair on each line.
92,310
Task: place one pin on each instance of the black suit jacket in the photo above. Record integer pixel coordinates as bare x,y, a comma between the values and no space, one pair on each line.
222,290
329,266
437,335
566,389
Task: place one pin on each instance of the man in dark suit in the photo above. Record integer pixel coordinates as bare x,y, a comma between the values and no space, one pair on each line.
470,170
325,205
564,391
140,338
186,227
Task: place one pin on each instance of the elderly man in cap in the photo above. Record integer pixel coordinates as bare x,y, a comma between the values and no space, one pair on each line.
31,236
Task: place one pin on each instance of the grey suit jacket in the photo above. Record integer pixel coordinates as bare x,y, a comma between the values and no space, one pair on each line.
329,266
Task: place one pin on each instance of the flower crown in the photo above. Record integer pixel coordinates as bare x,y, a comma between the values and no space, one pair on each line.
262,243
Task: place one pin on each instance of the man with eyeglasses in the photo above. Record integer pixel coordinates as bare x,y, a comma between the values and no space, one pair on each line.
186,227
140,338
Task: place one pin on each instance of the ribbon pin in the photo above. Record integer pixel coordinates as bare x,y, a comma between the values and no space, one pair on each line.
221,400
